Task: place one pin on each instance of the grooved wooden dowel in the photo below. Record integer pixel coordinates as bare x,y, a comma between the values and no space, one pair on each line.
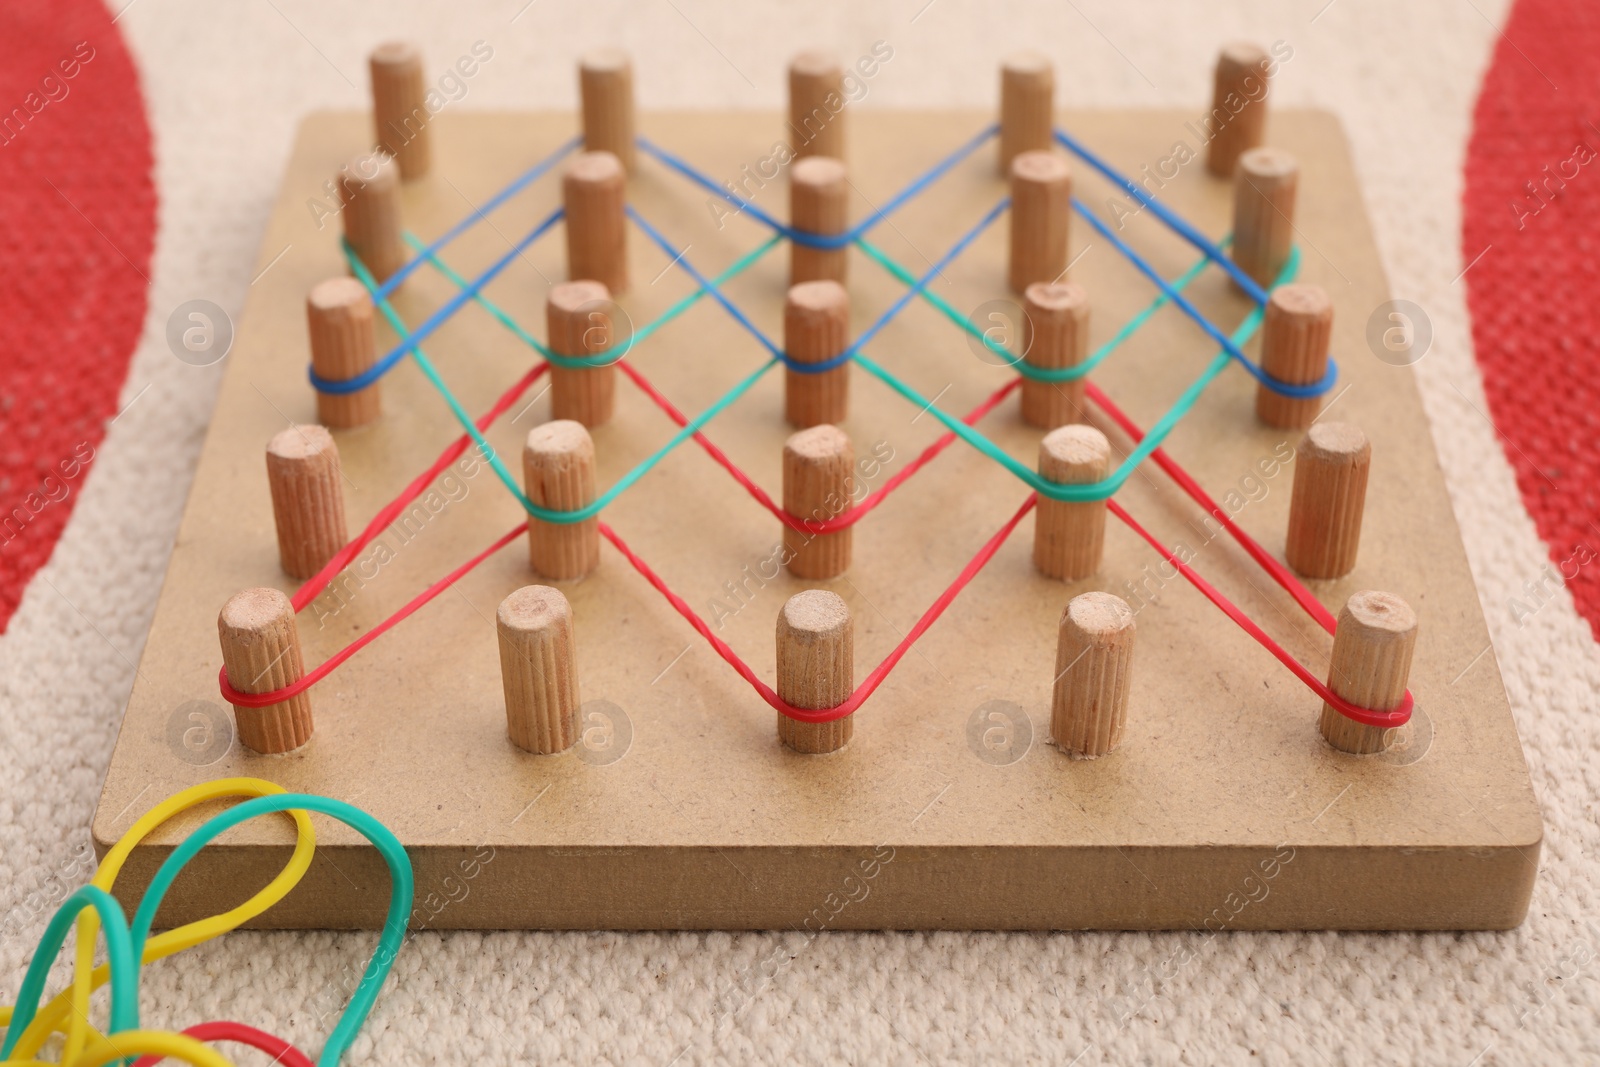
1041,202
1372,646
1027,106
1055,334
1294,349
819,203
538,669
1263,212
261,652
1069,536
1329,495
339,319
558,466
816,668
400,116
816,328
594,189
818,480
816,105
579,323
307,486
369,189
1094,671
605,87
1238,116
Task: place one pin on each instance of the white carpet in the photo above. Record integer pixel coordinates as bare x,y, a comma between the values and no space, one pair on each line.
226,85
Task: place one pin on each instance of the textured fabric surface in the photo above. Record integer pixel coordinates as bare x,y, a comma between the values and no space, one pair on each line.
226,85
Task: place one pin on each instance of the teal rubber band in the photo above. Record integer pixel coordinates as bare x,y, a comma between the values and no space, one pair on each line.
119,956
394,925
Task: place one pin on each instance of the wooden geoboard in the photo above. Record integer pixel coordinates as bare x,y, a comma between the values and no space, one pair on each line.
1223,808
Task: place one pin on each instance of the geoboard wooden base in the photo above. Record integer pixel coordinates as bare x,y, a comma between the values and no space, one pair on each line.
1222,808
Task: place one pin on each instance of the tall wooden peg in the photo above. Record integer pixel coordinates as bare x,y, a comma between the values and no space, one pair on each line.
816,105
1069,536
818,203
306,482
400,117
579,323
369,189
1372,646
1094,671
818,465
605,87
1238,118
1055,334
1294,350
558,466
1041,202
594,189
339,320
261,653
538,669
1027,106
816,328
816,668
1329,495
1263,212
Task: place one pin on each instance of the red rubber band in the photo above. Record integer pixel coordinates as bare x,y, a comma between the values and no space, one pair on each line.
281,1051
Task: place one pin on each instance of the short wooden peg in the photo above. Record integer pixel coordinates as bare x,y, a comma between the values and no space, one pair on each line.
1372,646
307,486
579,323
558,466
1329,495
816,105
816,328
339,320
1069,536
595,193
1294,350
1027,106
369,188
538,669
818,468
1238,117
1041,201
605,87
1094,671
1263,212
400,116
1055,334
818,203
816,668
261,652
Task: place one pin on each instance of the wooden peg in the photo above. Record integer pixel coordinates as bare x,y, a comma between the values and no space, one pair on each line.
1294,349
594,189
538,669
816,668
1041,201
816,328
1027,106
1069,536
339,320
816,105
818,484
400,116
261,653
1055,334
1094,671
605,86
559,468
1372,646
578,323
1238,117
1263,212
369,188
307,488
818,203
1329,495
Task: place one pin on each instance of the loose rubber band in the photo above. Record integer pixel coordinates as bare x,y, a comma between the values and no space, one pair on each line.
281,1051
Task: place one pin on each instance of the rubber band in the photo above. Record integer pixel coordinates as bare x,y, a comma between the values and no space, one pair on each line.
281,1051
